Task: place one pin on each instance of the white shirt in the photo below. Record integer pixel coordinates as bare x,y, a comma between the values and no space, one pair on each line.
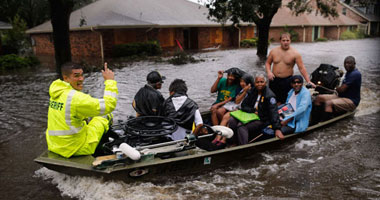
180,133
293,101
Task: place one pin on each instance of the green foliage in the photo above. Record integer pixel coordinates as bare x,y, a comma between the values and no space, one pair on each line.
181,57
33,12
324,8
321,40
262,12
349,35
32,61
12,61
293,34
15,40
248,43
150,48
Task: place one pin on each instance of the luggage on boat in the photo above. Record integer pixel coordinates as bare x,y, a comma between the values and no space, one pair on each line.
327,76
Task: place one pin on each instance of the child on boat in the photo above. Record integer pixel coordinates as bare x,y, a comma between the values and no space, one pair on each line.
246,81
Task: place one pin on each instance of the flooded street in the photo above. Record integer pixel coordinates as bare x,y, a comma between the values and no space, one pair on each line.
341,161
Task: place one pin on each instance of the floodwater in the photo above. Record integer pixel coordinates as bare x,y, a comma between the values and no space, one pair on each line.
341,161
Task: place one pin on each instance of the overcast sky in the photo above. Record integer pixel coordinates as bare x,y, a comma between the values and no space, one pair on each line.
199,1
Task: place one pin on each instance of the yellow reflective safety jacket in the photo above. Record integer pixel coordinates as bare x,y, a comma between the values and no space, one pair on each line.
68,111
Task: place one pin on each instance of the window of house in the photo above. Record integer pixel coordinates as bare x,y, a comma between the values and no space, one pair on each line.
316,32
344,11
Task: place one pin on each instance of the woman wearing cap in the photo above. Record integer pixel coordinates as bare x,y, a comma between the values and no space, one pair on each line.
226,89
148,100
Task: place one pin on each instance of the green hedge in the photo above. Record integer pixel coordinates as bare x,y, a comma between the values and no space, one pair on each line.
12,61
249,42
252,42
150,48
348,35
321,40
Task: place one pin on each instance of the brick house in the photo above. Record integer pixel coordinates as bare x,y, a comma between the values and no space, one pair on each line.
310,26
368,16
97,27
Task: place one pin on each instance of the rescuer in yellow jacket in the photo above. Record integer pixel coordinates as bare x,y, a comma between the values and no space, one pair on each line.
68,133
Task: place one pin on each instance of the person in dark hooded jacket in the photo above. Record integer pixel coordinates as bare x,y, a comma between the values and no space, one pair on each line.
182,109
148,100
261,101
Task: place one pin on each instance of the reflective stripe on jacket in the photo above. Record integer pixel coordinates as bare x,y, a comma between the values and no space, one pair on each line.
68,112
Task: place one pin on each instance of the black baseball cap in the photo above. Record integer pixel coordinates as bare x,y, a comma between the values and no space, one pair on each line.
299,77
155,77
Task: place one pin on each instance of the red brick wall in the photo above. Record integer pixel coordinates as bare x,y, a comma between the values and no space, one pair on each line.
331,32
43,44
108,42
203,38
227,39
275,33
83,43
309,34
215,36
322,32
246,32
87,43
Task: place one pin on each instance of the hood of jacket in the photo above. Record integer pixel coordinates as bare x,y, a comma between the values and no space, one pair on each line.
58,87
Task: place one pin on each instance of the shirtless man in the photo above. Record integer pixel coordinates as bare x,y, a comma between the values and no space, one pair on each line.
284,58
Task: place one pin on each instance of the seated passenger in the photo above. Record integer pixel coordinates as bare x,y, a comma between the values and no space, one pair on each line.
182,109
148,100
300,99
245,82
226,89
348,97
261,101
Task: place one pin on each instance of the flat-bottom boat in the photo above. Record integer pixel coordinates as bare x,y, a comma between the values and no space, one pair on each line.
185,160
190,160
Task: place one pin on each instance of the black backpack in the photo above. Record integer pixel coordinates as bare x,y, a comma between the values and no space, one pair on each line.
327,76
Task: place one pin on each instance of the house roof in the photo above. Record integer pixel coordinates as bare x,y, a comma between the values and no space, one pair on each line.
369,17
105,14
5,26
284,17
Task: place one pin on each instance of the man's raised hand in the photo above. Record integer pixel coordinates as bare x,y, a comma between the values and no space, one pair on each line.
107,73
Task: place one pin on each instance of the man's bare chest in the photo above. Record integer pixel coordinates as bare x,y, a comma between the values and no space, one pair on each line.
284,58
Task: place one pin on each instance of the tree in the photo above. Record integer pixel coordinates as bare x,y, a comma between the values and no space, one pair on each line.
15,40
33,12
261,13
60,11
